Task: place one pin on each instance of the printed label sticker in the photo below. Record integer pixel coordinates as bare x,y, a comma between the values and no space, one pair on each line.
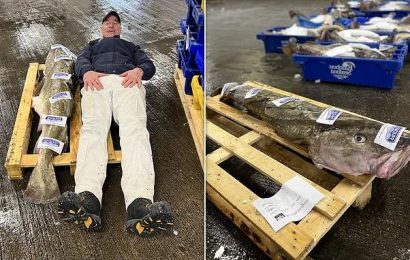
389,135
50,143
61,75
329,116
63,57
53,120
252,92
292,202
68,52
60,96
64,49
282,101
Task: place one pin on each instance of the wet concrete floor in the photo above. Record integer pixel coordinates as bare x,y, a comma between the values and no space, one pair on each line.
380,231
28,29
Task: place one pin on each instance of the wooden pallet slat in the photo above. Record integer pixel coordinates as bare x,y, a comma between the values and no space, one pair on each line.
317,226
251,122
289,239
75,126
22,127
330,205
110,148
194,118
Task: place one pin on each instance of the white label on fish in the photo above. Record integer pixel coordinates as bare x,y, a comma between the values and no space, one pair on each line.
63,57
282,101
50,143
226,86
56,46
389,135
64,49
292,202
68,52
53,120
60,96
252,92
61,75
385,47
329,116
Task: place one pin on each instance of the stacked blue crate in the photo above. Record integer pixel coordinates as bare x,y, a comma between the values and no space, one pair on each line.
398,14
192,27
342,69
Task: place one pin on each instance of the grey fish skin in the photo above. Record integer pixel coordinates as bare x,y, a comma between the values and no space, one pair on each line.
345,147
43,186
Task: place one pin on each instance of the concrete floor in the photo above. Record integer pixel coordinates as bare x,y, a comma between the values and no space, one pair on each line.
28,29
380,231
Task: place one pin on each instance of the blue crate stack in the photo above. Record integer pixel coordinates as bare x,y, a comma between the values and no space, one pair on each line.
190,49
342,69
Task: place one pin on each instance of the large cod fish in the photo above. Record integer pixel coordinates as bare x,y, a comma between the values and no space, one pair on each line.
54,100
347,146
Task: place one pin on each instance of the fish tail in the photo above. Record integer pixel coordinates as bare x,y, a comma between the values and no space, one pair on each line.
43,187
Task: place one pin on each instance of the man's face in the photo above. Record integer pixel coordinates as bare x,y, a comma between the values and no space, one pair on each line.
111,27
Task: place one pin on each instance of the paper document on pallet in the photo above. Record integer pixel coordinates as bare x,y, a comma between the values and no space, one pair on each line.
292,202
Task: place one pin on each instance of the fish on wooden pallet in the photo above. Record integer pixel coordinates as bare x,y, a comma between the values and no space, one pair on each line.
54,105
347,146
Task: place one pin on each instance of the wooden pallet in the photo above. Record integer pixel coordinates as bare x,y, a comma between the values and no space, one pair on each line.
236,132
195,120
18,156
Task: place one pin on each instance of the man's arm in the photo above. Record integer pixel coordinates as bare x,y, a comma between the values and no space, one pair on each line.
83,63
142,61
85,71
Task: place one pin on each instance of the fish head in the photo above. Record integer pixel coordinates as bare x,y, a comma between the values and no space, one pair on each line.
352,150
290,47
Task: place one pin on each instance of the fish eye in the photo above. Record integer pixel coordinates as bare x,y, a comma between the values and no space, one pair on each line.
358,138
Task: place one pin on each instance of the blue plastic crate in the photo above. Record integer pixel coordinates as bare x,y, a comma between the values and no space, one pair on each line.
397,14
190,50
407,42
199,36
199,60
357,71
400,53
347,22
305,22
374,13
356,11
195,15
274,42
188,71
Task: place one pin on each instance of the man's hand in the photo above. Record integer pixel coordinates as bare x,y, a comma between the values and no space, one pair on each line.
92,81
132,77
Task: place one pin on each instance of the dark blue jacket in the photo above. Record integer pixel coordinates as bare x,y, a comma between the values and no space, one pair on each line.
113,56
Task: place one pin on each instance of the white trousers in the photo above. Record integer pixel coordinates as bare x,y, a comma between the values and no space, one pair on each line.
127,106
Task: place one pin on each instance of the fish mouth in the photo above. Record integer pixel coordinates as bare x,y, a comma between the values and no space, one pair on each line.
389,164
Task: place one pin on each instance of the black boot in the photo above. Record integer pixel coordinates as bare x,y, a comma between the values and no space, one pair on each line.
145,218
82,209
